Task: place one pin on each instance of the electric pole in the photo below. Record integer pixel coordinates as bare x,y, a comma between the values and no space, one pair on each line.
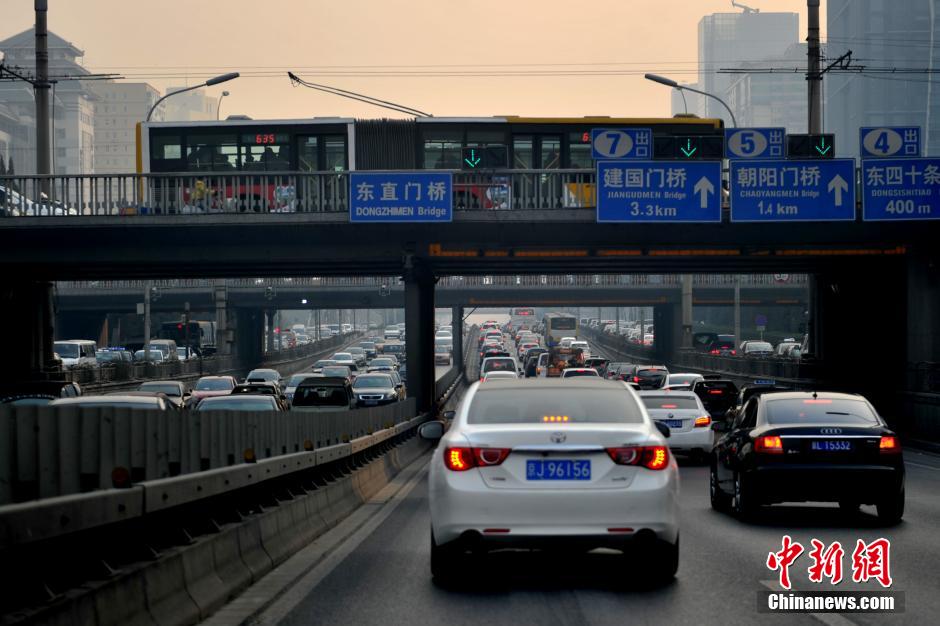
813,73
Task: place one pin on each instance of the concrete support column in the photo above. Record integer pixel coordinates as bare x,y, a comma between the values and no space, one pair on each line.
686,311
222,345
26,309
667,320
419,334
456,324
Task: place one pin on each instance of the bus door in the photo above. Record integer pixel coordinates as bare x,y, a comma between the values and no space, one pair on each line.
321,153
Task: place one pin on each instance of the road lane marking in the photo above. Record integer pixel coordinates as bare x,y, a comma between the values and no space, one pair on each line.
830,619
326,558
930,467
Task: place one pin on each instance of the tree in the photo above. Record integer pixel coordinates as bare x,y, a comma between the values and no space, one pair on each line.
3,167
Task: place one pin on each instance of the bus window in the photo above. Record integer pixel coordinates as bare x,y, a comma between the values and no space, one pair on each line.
442,149
579,151
268,152
334,153
211,153
166,153
551,152
307,156
522,152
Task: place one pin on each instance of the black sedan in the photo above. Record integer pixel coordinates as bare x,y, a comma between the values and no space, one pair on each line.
807,446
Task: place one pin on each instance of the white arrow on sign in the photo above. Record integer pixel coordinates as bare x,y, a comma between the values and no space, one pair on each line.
839,185
703,187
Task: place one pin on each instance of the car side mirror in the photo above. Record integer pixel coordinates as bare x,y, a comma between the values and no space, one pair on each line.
663,429
431,431
721,426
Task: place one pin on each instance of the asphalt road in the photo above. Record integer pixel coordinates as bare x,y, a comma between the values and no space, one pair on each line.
385,579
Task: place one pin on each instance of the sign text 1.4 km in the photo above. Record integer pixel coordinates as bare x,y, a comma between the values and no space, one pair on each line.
792,191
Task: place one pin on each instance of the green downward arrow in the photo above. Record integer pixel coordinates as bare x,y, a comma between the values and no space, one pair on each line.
822,148
688,151
474,160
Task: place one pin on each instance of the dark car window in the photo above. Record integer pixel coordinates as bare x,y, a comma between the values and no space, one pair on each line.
510,406
748,416
327,395
820,411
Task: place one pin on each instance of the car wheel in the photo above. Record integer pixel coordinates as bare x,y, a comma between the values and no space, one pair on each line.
720,500
891,509
446,561
660,562
742,502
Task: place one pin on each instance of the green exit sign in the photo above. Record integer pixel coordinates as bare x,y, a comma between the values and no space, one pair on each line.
689,148
811,146
484,158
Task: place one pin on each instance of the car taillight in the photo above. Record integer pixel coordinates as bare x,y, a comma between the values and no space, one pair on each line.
734,353
703,421
714,352
769,444
650,457
889,445
460,459
636,379
715,392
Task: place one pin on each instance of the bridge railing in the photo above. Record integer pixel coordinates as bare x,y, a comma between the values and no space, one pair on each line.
446,282
54,451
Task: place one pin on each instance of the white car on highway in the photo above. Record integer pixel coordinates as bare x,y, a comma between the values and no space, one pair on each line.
686,417
544,464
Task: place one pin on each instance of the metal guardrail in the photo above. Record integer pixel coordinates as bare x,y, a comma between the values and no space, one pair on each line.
446,282
55,451
446,384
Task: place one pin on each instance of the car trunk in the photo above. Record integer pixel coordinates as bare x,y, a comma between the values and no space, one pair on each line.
538,461
827,444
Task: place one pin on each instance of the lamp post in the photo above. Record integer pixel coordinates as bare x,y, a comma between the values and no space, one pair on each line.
209,83
219,107
668,82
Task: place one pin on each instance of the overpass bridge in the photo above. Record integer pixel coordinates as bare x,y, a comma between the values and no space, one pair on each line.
865,275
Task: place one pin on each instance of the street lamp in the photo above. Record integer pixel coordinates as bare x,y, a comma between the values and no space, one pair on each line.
209,83
219,108
662,80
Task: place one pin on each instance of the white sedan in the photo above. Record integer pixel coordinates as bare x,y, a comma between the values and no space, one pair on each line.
538,463
686,417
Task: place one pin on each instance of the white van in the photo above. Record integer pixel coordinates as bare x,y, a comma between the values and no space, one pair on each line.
167,347
76,353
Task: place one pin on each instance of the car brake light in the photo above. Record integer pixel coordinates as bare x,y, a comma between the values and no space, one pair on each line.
701,422
734,352
714,352
889,445
460,459
636,379
714,392
650,457
769,444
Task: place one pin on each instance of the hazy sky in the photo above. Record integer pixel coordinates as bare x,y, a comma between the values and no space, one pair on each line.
167,42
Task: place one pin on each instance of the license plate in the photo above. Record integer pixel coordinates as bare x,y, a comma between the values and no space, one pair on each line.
371,402
831,446
558,470
671,423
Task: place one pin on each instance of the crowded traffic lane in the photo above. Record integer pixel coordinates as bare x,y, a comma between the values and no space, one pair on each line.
386,578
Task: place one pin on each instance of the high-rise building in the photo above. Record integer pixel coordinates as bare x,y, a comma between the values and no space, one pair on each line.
883,34
729,40
72,104
778,99
120,106
192,106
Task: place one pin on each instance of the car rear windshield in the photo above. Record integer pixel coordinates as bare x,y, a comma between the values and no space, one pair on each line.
329,395
170,390
238,403
573,373
669,402
820,411
340,371
373,382
390,348
564,323
213,384
514,406
499,364
652,374
759,346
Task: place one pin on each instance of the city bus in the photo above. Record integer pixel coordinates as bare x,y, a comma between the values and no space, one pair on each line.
269,152
559,325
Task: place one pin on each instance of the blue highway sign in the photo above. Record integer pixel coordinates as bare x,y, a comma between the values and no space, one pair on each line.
400,197
900,189
792,191
755,143
889,142
621,143
658,191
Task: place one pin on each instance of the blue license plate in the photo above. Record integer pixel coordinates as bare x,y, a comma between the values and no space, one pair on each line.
831,446
558,470
671,423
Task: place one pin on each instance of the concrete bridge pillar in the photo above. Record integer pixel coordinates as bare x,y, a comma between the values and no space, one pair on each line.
456,323
419,334
27,312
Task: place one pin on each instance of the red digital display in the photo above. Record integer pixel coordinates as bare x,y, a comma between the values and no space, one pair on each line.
263,139
586,138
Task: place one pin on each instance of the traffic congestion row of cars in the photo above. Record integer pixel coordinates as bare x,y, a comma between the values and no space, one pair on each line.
589,460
